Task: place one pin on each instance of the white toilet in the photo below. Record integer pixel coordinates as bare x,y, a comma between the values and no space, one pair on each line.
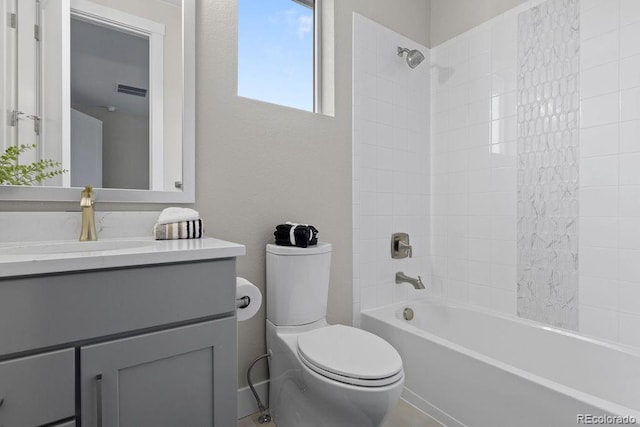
321,374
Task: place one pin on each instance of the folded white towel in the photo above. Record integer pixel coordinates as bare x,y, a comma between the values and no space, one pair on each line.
171,215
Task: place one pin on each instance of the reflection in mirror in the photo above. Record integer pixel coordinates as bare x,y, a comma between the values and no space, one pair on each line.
101,90
109,106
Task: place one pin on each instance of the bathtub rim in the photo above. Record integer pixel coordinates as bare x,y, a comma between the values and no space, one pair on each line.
628,349
597,402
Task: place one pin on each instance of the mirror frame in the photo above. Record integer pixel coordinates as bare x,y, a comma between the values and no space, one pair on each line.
188,193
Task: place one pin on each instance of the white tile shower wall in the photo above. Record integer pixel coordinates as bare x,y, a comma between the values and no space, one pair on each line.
390,163
473,174
473,137
610,171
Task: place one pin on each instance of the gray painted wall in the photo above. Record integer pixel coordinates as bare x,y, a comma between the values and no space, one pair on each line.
452,17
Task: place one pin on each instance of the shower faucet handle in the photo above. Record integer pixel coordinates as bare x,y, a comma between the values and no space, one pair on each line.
400,247
408,248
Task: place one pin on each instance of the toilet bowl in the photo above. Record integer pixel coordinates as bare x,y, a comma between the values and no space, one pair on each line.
318,384
321,374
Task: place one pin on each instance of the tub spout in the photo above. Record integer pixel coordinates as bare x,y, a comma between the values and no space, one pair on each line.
403,278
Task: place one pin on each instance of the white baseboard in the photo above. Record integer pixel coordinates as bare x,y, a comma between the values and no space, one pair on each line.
247,402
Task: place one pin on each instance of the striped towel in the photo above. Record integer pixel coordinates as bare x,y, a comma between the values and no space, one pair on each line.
179,230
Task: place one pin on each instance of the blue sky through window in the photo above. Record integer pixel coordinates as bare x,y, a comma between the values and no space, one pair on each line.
275,52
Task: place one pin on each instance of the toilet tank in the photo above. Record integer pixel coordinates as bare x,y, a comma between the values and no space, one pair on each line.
297,283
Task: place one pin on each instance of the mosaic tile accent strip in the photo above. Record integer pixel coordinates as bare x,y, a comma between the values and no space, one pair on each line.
548,149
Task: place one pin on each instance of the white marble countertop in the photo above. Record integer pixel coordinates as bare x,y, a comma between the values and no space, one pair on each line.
54,256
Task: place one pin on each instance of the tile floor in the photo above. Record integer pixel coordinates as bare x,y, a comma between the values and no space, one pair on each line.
405,415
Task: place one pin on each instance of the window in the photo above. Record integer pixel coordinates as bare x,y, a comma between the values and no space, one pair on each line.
277,42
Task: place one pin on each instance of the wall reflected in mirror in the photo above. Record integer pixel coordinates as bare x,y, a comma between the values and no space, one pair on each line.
109,128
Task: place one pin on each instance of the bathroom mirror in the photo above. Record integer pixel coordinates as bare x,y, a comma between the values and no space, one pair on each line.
106,89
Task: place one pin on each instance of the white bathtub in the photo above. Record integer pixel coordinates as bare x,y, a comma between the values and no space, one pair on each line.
468,367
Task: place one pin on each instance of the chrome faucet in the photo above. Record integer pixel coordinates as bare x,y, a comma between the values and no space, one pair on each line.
403,278
88,232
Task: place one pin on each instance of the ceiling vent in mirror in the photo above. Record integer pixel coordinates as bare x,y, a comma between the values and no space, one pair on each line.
131,90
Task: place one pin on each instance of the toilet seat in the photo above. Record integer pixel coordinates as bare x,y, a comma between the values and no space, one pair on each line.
350,355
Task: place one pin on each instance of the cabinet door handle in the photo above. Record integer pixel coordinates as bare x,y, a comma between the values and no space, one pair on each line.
99,400
1,402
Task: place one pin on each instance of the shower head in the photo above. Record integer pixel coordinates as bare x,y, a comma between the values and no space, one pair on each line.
414,57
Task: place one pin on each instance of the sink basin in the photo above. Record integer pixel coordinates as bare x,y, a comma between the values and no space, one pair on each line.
74,247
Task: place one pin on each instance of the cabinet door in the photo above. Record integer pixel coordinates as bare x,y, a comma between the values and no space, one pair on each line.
179,377
37,390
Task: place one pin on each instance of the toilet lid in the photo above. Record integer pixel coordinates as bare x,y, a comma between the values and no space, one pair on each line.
350,355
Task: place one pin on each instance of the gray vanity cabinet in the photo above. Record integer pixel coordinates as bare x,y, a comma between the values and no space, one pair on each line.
152,345
162,379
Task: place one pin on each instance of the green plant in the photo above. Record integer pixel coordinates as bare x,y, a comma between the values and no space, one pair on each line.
13,173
